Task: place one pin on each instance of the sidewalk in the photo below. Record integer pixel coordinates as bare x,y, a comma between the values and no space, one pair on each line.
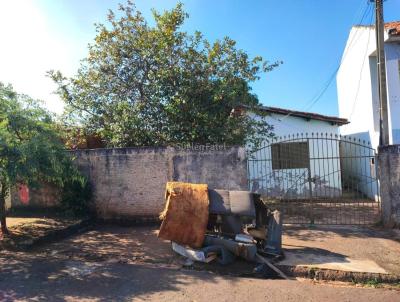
343,248
345,253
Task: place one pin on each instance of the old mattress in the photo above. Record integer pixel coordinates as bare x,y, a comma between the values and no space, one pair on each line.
185,216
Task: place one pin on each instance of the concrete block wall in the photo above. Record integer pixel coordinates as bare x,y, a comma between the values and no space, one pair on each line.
389,179
130,182
126,182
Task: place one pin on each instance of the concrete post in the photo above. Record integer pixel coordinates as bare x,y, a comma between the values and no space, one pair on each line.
389,179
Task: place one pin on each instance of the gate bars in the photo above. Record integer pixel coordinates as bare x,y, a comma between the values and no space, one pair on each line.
317,178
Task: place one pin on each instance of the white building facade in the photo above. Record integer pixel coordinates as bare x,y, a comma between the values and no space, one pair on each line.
357,84
302,161
358,97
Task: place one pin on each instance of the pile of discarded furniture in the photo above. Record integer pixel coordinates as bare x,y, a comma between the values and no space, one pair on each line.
220,225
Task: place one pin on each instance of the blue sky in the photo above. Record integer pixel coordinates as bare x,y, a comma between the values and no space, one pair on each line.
307,35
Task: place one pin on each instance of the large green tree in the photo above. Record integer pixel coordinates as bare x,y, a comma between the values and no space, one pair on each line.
31,151
155,84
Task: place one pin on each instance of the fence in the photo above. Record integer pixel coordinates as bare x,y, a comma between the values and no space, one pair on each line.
317,178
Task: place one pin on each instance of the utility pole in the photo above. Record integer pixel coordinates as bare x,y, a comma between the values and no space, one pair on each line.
380,50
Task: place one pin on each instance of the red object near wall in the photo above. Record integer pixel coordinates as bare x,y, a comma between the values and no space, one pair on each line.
23,192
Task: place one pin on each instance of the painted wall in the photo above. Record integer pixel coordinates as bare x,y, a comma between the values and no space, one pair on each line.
357,86
289,125
45,196
355,80
324,171
358,100
392,52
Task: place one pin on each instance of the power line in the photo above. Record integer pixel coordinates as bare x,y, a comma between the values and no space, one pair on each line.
318,96
361,70
367,10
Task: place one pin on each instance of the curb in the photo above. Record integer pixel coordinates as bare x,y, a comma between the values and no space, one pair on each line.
130,221
311,273
51,236
337,275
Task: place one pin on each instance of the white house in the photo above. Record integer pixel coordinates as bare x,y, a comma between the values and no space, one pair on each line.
358,99
302,161
357,83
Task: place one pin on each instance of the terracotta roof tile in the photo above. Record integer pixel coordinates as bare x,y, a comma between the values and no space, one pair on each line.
302,114
393,28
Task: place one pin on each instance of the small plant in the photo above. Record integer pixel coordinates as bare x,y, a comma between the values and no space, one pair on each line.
368,283
372,283
75,198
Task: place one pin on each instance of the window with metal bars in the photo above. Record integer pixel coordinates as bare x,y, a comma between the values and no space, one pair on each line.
293,155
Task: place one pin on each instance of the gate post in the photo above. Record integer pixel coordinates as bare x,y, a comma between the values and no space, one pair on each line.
312,221
389,179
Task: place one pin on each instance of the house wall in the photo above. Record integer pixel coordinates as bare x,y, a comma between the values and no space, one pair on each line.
392,52
284,126
294,182
130,182
357,86
358,101
355,81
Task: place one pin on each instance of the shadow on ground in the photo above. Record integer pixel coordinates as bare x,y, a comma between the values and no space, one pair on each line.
58,280
121,263
109,263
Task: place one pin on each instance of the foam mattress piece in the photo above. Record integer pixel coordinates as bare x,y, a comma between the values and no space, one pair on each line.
226,202
242,203
185,216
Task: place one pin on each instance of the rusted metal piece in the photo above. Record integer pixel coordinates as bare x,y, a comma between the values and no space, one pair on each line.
264,260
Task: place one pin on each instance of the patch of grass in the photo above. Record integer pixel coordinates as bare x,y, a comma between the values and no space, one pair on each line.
375,283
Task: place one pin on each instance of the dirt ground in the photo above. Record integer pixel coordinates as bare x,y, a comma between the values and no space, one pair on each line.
18,224
113,263
24,230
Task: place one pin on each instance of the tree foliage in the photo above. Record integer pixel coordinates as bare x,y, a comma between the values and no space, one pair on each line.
144,85
31,151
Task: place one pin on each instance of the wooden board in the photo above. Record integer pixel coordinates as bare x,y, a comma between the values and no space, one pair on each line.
185,216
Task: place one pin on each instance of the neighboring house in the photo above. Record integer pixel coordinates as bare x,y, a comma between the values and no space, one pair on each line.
358,97
303,159
289,122
357,83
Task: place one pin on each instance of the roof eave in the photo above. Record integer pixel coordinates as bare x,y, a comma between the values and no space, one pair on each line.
305,115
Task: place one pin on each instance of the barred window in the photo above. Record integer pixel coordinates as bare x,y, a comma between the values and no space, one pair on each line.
290,155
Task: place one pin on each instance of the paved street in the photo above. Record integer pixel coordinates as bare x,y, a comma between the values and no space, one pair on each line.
122,264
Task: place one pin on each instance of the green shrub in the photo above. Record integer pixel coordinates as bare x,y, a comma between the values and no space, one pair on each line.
76,196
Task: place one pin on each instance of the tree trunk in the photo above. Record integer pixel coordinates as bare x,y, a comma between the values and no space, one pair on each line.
3,223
